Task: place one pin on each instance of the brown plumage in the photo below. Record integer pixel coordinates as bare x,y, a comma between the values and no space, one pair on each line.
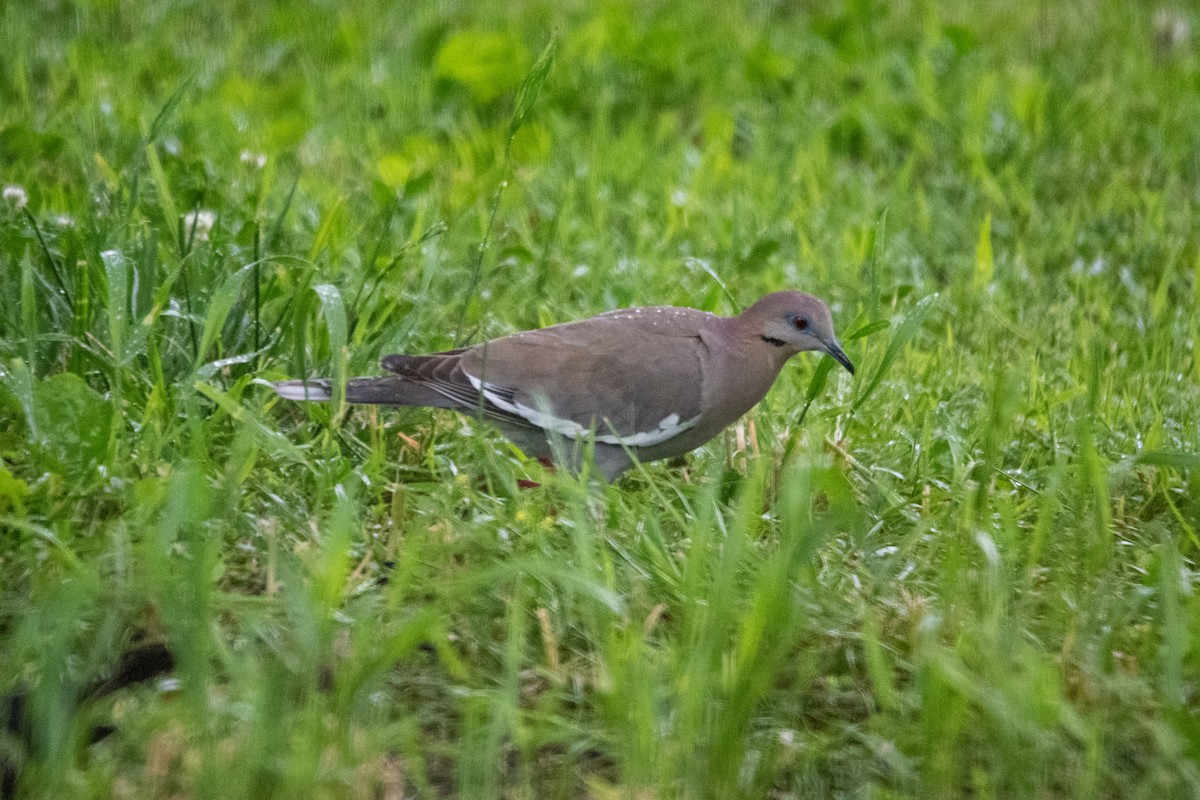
638,383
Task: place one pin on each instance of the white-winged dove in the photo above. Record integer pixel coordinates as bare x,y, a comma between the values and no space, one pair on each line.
641,383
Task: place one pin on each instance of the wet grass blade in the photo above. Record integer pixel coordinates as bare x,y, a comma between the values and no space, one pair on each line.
908,328
219,306
334,311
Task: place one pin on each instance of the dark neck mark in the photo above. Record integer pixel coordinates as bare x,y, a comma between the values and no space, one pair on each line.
770,340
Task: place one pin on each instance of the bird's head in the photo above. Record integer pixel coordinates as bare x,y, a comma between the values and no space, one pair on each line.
795,322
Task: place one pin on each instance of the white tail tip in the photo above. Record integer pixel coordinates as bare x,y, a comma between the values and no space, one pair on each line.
303,390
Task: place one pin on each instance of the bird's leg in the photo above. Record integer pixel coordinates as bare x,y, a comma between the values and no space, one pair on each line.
525,483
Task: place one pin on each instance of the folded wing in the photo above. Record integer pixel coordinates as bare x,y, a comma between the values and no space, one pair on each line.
632,384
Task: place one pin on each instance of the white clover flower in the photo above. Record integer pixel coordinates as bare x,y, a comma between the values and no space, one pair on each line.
197,224
15,195
1172,30
64,220
252,159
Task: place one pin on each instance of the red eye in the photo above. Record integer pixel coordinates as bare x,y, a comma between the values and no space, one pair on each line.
799,323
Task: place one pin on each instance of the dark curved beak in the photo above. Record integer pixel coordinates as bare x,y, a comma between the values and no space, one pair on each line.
834,349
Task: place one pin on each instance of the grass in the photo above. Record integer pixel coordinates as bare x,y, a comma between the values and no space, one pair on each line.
968,571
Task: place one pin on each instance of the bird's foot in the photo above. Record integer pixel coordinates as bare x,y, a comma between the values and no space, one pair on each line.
525,483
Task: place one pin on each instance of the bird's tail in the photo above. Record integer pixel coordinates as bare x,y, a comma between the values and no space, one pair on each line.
316,389
391,390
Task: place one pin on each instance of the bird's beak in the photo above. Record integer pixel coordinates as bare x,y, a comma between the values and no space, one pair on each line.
834,349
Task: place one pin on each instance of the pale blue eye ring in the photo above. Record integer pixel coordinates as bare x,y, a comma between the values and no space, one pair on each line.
799,323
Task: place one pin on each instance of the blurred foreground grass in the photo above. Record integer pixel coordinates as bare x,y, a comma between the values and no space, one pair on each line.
971,571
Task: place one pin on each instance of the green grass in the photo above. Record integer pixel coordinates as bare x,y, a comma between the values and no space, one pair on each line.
970,570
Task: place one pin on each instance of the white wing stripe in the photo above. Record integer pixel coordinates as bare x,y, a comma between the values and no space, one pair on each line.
668,427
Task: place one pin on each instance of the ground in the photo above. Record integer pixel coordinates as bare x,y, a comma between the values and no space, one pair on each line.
968,570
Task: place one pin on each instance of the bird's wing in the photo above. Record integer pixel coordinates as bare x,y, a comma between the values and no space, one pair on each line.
440,376
633,377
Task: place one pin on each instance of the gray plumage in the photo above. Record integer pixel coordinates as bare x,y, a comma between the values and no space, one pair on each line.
638,383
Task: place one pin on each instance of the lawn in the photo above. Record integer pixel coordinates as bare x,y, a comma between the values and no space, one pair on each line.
970,570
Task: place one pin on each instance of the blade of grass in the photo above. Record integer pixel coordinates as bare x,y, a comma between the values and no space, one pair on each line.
116,275
164,113
277,227
325,230
1174,623
908,328
219,306
257,290
817,383
527,95
531,86
272,440
334,311
58,278
29,309
19,380
1169,458
166,199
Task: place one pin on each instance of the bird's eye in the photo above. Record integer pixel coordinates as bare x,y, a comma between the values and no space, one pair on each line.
799,323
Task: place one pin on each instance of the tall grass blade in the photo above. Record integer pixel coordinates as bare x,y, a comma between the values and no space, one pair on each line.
531,86
908,328
219,306
168,108
334,312
29,312
1176,632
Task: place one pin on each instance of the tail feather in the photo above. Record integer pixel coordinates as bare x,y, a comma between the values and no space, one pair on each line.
391,390
304,390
